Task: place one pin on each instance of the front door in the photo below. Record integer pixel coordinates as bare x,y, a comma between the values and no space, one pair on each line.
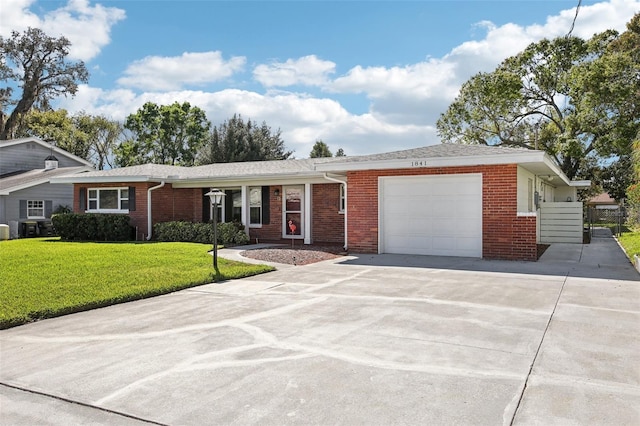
292,212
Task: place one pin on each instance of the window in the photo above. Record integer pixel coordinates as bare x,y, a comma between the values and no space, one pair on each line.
108,199
35,209
255,206
343,199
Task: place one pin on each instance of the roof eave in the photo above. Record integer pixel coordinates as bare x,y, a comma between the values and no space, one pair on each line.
106,179
424,162
45,179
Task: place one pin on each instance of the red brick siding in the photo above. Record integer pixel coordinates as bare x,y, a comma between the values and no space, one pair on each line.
167,203
273,230
505,235
327,223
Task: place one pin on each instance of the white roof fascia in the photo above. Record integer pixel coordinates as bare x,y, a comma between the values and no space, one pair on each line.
262,180
33,183
428,162
580,183
47,145
105,179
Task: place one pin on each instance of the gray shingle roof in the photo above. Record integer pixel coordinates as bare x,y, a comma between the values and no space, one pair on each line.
438,151
303,167
35,177
226,170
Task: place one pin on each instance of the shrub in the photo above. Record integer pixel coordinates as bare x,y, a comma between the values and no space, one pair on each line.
229,234
92,227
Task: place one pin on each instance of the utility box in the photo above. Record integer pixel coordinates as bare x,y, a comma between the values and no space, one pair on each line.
45,228
29,229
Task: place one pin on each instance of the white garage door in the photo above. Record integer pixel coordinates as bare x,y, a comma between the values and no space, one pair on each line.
431,215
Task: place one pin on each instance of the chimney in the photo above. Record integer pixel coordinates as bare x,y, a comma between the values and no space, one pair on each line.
50,163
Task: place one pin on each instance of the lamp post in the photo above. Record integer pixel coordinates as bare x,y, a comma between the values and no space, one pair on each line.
216,199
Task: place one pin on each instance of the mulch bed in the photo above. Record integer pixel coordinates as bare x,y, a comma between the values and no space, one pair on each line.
299,255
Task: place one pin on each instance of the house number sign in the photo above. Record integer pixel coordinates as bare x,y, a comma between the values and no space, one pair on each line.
419,163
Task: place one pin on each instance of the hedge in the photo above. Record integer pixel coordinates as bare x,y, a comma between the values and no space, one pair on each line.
229,234
92,227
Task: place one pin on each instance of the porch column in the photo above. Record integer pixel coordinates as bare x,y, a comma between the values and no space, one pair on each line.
307,213
244,208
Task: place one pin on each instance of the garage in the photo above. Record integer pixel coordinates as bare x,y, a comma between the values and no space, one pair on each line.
431,215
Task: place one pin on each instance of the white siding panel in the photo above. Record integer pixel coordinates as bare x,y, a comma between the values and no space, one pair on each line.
561,223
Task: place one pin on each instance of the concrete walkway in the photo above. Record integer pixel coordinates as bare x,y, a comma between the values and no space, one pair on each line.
382,340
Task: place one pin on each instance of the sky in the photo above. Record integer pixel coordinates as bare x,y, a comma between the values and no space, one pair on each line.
364,76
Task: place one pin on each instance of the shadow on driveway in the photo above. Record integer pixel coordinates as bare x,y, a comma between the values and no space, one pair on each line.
602,259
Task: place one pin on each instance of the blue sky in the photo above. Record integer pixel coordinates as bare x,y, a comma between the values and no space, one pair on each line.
365,76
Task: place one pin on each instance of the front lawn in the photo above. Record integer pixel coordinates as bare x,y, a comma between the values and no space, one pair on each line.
629,239
42,278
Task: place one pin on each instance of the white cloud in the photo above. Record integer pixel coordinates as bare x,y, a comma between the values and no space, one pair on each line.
308,70
302,119
418,93
404,100
172,73
16,16
87,27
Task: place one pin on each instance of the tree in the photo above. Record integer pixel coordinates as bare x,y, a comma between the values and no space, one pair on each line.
103,135
616,177
90,137
575,99
56,127
37,64
340,153
237,141
320,149
167,134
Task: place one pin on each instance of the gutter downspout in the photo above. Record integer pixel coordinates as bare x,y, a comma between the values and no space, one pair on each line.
344,182
149,225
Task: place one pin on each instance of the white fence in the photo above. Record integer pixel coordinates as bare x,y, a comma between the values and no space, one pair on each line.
561,223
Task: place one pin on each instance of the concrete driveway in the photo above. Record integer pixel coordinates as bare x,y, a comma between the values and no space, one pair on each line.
360,340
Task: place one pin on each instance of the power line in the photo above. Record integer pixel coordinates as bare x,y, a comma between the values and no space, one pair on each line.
573,24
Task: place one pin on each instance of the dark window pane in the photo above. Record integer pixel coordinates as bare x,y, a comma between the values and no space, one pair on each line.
255,215
109,199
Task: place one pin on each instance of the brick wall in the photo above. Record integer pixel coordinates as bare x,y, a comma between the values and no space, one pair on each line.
273,230
167,203
327,223
505,235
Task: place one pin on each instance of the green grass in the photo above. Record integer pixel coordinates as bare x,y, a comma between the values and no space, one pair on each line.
43,278
629,239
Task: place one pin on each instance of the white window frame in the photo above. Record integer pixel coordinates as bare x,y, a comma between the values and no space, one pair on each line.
343,199
253,206
97,200
30,207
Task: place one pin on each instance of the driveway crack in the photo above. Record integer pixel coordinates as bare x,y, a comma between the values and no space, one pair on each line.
83,404
535,357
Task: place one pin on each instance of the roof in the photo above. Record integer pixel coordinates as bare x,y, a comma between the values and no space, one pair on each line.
602,198
59,151
443,155
248,169
18,181
445,150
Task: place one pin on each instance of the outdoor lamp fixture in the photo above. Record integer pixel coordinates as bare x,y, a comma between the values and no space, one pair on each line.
216,199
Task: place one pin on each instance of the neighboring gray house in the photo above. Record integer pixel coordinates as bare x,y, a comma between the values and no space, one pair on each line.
26,196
